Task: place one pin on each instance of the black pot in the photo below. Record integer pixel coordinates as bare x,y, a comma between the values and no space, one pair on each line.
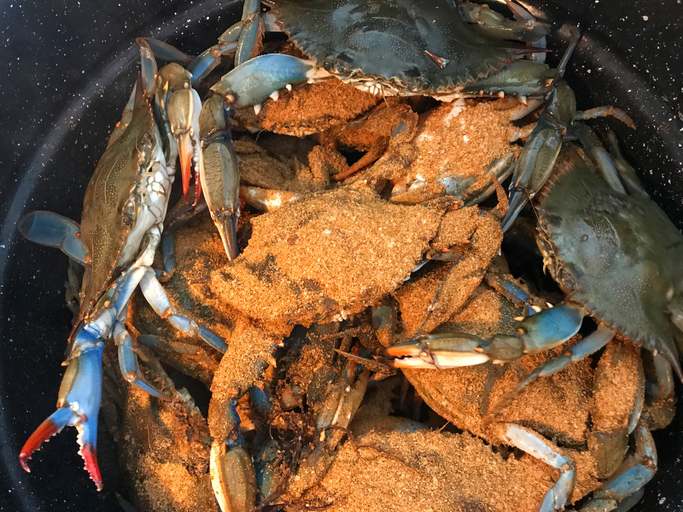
69,67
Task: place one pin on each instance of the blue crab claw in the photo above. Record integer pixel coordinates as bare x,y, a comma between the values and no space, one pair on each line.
53,230
542,331
184,107
252,82
536,161
220,174
78,404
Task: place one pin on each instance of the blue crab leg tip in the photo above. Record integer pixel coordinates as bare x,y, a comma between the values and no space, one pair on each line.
518,199
129,367
212,339
227,228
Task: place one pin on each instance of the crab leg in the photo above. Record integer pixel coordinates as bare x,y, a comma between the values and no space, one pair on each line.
243,37
539,448
128,363
498,26
635,472
627,173
589,345
157,298
248,45
53,230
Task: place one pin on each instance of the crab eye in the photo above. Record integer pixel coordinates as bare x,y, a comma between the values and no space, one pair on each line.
335,66
128,217
146,147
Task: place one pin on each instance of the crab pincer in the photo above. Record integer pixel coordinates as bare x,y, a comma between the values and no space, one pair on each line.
220,173
78,403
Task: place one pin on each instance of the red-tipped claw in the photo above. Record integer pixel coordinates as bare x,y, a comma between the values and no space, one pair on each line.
79,404
44,432
89,455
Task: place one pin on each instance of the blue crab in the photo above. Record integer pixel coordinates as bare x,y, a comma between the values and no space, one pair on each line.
382,47
123,212
614,254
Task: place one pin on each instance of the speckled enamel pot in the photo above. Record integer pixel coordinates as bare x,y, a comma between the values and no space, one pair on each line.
67,68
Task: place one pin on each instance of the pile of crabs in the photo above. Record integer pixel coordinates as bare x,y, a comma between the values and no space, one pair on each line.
340,281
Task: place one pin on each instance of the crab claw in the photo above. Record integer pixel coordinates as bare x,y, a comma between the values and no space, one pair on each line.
78,404
221,174
184,106
437,351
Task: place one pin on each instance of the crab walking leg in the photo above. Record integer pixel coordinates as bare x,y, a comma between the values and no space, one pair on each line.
539,448
627,173
248,44
128,363
78,403
634,473
595,149
243,37
157,298
498,26
589,345
53,230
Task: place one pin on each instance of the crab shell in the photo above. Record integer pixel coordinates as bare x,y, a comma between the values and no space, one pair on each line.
393,46
615,255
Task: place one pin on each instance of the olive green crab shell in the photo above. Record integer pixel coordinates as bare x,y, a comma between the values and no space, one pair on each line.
616,255
391,42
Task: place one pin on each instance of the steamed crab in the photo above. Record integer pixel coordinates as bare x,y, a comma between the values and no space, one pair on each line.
281,280
613,252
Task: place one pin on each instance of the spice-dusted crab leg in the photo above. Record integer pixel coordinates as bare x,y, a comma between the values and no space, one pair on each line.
124,208
624,489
